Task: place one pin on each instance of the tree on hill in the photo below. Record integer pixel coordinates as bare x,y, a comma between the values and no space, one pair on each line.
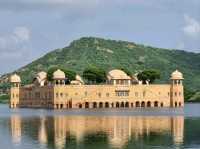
148,75
128,72
70,75
94,74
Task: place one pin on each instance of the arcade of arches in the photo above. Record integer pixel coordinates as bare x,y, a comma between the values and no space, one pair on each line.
122,104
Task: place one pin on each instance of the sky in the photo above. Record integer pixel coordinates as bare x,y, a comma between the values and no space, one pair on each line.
31,28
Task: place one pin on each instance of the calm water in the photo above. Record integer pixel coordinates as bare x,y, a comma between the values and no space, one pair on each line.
100,129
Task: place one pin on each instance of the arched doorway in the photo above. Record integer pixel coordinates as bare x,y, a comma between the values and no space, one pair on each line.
175,104
94,105
148,104
117,104
131,105
86,105
80,106
127,104
107,105
61,106
161,104
122,104
112,105
180,104
137,104
143,104
70,104
100,105
156,104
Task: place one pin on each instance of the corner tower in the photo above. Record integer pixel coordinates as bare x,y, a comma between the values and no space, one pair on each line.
15,81
177,92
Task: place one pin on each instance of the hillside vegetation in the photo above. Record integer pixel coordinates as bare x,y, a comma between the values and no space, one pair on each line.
109,54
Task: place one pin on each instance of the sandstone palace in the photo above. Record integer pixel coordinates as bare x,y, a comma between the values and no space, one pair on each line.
119,91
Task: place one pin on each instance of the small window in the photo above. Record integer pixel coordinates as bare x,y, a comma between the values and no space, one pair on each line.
66,95
136,94
175,93
107,94
144,94
57,95
122,93
180,94
85,93
99,94
76,94
61,95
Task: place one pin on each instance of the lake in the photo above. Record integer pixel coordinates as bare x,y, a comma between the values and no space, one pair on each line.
148,128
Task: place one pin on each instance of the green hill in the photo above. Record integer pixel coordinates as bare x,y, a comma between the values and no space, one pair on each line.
110,54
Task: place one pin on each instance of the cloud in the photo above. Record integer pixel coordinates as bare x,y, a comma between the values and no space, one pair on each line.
21,5
192,26
14,44
22,33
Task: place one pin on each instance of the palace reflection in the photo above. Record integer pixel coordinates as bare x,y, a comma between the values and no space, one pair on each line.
118,130
15,128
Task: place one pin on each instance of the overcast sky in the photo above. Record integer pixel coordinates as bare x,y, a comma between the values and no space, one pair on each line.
31,28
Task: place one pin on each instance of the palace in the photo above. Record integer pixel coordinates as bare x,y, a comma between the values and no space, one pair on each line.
119,91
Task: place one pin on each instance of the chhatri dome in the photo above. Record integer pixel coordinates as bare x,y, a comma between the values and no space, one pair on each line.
78,78
15,79
41,76
177,75
58,74
117,74
78,81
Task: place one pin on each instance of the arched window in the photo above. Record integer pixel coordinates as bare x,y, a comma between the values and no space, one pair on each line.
94,105
100,105
122,104
107,105
87,105
137,104
175,104
117,104
148,104
127,104
156,104
143,104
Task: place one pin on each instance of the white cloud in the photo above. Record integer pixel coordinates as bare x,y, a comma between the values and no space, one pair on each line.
192,26
12,45
22,33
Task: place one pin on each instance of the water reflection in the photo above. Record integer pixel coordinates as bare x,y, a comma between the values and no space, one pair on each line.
109,132
15,126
